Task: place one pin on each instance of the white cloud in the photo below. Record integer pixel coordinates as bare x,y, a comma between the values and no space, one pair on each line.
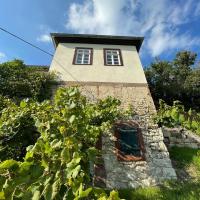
161,40
44,35
102,17
158,20
44,38
2,57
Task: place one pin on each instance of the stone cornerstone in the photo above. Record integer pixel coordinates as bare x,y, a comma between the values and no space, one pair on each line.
157,165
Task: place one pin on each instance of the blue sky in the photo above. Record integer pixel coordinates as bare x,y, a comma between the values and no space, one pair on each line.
167,25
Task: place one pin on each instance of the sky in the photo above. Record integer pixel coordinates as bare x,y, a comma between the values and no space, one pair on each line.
167,25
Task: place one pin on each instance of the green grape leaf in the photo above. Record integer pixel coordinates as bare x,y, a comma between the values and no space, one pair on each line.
85,193
76,171
36,195
47,192
23,104
65,155
73,162
2,197
56,144
175,114
72,105
181,118
114,195
72,118
195,125
55,188
9,164
36,171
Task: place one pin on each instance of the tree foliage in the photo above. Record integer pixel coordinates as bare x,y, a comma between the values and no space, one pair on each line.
5,102
57,165
176,80
17,130
18,81
176,115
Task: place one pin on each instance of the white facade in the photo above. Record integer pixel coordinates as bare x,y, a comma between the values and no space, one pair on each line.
130,72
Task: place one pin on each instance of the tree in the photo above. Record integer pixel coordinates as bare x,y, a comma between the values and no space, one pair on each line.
192,88
17,81
183,64
175,80
160,77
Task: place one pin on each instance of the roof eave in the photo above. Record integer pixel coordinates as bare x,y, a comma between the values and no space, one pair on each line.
96,39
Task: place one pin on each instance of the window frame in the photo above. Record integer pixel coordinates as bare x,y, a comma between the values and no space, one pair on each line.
105,57
120,155
75,56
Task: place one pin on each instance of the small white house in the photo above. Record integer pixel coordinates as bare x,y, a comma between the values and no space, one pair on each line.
134,153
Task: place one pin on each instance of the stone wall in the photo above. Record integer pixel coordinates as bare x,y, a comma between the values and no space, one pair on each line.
156,168
157,165
180,137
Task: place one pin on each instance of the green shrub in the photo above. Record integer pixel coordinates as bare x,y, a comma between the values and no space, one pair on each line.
17,130
57,165
4,103
176,115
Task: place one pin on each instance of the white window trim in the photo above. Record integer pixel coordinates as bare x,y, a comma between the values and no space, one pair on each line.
119,56
83,54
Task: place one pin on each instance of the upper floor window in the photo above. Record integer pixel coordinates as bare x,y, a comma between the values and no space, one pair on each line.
129,142
83,56
113,57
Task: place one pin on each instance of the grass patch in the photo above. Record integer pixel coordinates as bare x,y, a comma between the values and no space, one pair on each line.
185,156
141,193
169,191
187,159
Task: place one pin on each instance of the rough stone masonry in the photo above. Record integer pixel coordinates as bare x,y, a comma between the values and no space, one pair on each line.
157,165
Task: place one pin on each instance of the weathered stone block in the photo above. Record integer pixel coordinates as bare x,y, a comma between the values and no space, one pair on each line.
181,138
